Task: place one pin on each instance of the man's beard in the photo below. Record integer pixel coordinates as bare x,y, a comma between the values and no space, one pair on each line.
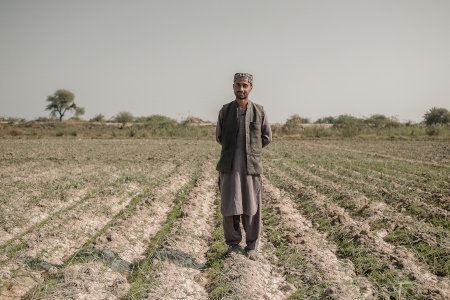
241,96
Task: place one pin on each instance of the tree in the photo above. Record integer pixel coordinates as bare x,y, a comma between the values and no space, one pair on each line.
437,116
124,117
61,102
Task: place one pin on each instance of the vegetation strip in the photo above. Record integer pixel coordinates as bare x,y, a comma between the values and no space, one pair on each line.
46,220
238,277
49,237
356,243
180,270
86,250
106,256
416,174
393,195
218,286
87,196
55,215
384,156
353,211
436,197
308,262
421,210
430,249
433,255
139,276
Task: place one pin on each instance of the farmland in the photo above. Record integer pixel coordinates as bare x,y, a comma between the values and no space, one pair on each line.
139,219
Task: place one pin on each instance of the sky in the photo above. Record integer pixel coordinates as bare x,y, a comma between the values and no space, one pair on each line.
177,58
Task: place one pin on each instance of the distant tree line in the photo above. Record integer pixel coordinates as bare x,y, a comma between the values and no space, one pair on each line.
435,119
436,122
63,101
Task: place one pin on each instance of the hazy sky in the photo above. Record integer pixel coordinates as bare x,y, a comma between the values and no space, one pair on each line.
178,58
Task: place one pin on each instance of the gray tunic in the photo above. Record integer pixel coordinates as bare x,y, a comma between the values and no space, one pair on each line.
240,192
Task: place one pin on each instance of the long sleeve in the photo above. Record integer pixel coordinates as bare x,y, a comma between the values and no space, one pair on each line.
219,127
266,131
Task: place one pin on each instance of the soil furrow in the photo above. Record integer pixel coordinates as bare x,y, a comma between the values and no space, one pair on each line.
323,266
242,278
400,260
435,204
342,219
55,241
238,277
129,237
55,202
427,177
373,210
376,212
375,154
401,221
398,179
126,241
122,240
436,195
425,189
179,269
436,151
32,198
33,202
98,189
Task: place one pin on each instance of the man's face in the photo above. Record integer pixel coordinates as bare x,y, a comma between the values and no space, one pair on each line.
242,88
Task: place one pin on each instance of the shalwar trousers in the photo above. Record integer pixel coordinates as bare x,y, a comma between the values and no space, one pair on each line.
252,227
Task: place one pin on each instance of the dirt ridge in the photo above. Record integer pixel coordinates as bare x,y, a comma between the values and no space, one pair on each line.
361,231
340,274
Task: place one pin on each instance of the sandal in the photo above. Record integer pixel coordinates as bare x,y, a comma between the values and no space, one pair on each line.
251,253
233,249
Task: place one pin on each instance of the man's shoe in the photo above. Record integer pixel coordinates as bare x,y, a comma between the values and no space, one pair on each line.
233,249
251,253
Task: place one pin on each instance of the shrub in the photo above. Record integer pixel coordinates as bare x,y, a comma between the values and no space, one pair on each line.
42,119
326,120
377,120
15,132
293,124
98,118
433,130
393,124
124,117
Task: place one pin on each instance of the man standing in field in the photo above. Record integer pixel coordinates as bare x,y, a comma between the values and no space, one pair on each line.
242,130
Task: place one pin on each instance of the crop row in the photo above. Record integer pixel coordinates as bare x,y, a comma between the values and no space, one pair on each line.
85,221
137,219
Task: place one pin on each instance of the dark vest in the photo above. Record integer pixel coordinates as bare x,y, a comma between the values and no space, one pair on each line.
230,126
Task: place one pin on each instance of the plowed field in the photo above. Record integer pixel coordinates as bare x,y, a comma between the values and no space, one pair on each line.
139,219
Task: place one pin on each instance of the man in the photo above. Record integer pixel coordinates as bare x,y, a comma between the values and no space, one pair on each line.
242,130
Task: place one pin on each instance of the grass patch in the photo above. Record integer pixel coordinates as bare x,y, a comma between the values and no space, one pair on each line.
219,286
42,289
141,276
435,257
379,271
14,249
101,190
295,265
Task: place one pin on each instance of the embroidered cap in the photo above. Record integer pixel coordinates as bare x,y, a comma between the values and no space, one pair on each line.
247,76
